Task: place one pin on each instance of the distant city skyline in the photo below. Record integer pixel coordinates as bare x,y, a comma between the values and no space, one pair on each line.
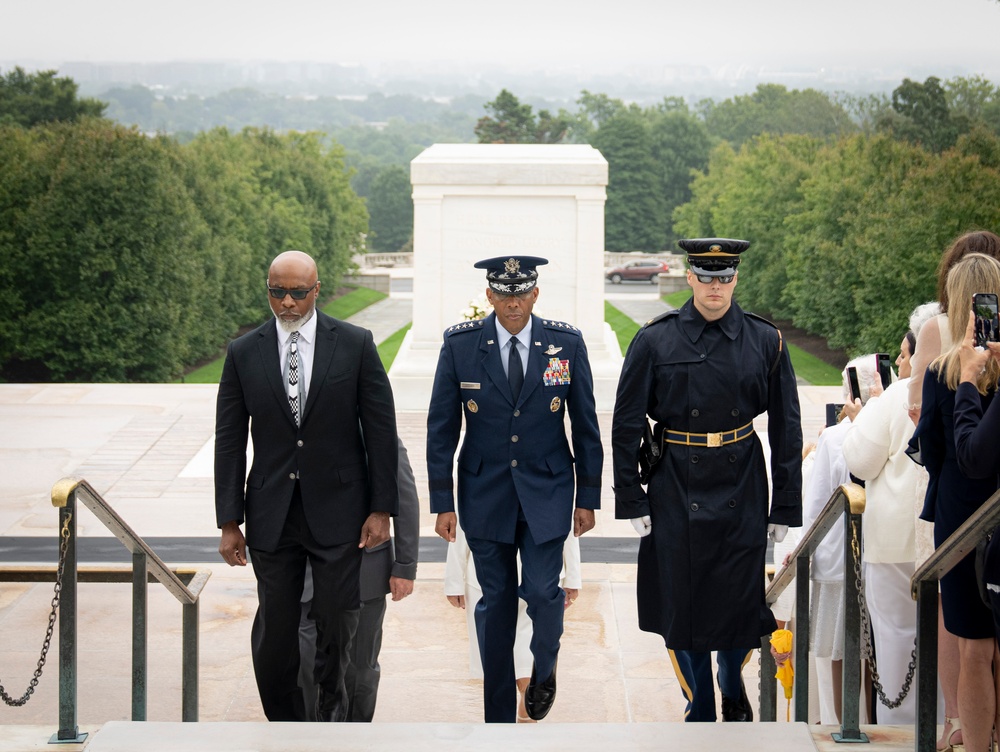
591,36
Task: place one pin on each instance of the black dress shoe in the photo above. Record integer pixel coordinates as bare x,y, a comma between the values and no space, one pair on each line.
737,710
539,696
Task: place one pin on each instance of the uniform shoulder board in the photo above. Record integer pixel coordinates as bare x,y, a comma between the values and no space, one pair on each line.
561,326
781,340
465,326
665,314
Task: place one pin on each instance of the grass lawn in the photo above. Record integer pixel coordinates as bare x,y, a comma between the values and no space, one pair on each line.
341,308
624,327
387,350
677,299
812,369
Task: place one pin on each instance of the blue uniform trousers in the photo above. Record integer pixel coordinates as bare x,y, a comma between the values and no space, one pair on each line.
496,612
694,671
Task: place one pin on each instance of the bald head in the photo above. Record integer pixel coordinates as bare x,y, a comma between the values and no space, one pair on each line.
295,262
292,273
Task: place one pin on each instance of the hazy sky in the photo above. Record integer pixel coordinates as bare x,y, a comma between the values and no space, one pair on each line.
522,33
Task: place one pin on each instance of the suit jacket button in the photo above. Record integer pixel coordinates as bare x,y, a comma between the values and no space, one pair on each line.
517,413
695,413
291,476
514,439
513,463
732,503
299,442
694,459
694,507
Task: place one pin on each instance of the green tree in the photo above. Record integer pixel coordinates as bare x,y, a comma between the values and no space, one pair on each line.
27,99
112,245
635,213
390,207
774,109
680,146
510,122
924,117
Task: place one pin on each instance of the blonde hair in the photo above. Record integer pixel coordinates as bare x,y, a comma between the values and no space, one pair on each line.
976,272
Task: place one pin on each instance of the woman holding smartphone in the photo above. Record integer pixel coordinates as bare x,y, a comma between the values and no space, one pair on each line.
953,496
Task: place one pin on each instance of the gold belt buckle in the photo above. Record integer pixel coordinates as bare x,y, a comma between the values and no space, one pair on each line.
714,439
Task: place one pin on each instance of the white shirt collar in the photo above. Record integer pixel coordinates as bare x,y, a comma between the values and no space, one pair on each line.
307,332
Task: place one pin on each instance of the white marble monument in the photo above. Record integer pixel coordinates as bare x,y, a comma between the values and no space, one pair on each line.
476,201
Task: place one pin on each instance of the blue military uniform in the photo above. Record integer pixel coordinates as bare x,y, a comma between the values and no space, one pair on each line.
700,579
518,480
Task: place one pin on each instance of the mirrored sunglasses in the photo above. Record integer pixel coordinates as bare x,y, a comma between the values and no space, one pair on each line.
705,279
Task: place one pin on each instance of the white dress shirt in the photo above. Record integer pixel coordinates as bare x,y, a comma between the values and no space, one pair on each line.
307,345
504,337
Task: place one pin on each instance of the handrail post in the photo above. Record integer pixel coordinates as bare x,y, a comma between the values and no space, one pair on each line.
189,669
768,688
69,731
850,730
927,637
802,638
139,635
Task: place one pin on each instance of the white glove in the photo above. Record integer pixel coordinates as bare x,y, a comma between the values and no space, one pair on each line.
643,525
777,533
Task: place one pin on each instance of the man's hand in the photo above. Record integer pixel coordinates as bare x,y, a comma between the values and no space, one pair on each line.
233,546
777,533
458,601
375,531
446,526
583,520
400,587
643,525
571,595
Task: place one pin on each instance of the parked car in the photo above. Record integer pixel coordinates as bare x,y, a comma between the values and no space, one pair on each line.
645,271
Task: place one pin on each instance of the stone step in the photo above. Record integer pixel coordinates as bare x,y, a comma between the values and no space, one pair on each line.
120,736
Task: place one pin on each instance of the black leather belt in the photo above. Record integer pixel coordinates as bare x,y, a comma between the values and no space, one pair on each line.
708,439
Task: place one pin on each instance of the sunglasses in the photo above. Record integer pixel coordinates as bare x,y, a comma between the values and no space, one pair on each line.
707,280
281,292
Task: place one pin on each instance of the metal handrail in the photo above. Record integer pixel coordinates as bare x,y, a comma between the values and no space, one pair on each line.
145,565
848,501
924,589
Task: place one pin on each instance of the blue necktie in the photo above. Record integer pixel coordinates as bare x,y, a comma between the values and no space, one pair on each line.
515,372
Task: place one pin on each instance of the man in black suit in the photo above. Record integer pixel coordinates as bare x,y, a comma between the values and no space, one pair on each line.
322,485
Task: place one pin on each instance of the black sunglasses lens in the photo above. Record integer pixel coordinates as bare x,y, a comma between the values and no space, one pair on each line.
280,293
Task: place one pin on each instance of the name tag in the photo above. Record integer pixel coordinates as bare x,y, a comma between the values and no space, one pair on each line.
468,385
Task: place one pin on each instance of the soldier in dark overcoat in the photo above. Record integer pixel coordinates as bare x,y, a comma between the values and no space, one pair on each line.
513,378
702,374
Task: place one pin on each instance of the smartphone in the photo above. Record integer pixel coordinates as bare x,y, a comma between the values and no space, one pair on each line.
852,382
884,363
832,411
984,305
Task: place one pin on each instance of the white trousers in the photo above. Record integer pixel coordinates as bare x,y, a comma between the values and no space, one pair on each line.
894,624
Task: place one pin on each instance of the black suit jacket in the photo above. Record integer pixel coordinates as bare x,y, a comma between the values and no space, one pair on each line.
343,455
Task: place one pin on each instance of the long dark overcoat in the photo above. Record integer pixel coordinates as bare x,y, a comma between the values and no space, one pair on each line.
701,570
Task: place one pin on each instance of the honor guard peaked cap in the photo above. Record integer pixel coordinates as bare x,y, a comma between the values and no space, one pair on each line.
511,275
713,257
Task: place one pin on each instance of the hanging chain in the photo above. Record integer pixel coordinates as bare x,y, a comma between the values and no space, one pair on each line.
866,646
57,591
